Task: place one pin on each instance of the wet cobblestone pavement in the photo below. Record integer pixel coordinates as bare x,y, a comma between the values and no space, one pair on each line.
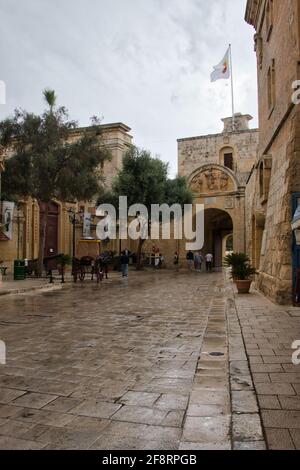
102,367
158,361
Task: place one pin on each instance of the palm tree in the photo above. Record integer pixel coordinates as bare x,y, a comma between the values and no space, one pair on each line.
50,98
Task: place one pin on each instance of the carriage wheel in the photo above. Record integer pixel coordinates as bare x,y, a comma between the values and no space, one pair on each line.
82,274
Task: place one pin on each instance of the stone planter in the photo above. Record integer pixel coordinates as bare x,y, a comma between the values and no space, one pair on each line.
243,287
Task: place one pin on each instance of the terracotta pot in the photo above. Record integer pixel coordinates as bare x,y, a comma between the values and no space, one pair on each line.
243,287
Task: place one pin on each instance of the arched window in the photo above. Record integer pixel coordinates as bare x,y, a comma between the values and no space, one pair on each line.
229,243
261,179
226,158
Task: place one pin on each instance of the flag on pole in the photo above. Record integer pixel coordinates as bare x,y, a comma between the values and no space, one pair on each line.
222,70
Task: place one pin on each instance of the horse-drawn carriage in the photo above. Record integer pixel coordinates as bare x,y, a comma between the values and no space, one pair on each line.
93,266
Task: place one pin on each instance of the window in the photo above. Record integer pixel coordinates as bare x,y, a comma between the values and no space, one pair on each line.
229,243
269,18
265,168
227,157
272,86
228,160
261,179
259,49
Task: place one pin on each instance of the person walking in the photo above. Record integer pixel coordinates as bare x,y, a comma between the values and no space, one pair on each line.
201,261
209,260
190,260
124,263
198,262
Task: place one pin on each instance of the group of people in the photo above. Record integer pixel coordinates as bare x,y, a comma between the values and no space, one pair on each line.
195,260
156,258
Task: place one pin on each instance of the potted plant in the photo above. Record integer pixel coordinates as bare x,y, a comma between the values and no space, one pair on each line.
241,270
234,260
242,276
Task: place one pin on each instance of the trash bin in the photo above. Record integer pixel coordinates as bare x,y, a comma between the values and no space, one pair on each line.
19,270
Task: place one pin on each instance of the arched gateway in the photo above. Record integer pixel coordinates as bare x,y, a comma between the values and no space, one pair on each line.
217,167
218,227
217,188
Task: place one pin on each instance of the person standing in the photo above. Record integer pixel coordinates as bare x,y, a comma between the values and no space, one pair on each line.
157,259
209,260
161,260
124,264
190,260
176,260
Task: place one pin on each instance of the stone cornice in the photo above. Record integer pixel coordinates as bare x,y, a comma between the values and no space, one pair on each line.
252,12
211,136
118,126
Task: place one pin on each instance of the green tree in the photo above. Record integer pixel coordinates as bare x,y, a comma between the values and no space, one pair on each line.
144,180
46,164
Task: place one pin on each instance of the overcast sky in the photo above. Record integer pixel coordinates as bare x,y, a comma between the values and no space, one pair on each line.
146,63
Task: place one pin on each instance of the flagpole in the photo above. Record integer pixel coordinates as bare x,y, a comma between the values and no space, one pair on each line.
232,88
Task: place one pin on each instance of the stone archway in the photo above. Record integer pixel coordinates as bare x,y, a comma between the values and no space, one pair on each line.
227,243
218,226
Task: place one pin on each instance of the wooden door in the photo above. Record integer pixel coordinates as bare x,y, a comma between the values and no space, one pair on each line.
51,241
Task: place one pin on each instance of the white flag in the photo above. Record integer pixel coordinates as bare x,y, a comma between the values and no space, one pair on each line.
222,70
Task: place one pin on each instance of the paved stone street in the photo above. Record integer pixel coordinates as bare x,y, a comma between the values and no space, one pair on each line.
154,362
10,287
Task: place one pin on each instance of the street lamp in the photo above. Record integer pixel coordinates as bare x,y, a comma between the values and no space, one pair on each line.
75,219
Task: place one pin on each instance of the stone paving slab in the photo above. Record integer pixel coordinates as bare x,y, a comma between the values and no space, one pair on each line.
268,331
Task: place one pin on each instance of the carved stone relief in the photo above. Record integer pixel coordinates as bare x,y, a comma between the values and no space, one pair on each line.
212,180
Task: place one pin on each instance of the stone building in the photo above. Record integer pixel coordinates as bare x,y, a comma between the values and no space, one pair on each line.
59,237
273,189
217,168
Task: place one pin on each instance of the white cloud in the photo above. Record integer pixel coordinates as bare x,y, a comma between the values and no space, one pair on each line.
146,63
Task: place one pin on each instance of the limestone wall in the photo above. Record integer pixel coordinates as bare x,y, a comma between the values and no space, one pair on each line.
197,151
279,141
